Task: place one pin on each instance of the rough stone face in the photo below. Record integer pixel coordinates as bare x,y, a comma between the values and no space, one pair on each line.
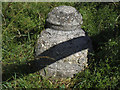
62,49
64,18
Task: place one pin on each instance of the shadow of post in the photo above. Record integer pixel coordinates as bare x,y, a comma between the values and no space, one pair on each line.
48,57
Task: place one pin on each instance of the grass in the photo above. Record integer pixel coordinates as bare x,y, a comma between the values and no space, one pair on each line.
23,22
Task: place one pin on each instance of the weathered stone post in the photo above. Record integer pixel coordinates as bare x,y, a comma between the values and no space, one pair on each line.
62,49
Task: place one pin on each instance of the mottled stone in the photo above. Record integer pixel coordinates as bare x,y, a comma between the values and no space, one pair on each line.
62,49
64,18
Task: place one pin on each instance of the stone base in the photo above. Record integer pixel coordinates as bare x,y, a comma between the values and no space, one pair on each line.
62,57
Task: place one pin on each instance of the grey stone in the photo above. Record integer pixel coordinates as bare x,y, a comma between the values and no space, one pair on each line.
64,18
62,49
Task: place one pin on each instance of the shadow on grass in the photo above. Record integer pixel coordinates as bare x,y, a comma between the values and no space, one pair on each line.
55,53
103,37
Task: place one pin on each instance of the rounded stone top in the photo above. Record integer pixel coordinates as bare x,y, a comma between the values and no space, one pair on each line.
64,18
66,9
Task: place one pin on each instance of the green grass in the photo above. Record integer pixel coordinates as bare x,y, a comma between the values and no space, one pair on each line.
23,22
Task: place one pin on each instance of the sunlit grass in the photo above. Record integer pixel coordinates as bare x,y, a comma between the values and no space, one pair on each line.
23,22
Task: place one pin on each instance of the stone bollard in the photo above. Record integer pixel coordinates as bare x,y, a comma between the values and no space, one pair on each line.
62,49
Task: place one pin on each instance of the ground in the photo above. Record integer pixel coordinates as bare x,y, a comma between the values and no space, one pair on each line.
23,22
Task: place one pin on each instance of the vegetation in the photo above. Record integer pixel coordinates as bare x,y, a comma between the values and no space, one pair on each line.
23,22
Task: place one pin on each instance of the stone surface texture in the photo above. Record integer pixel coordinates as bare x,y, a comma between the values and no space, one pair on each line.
64,18
62,49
